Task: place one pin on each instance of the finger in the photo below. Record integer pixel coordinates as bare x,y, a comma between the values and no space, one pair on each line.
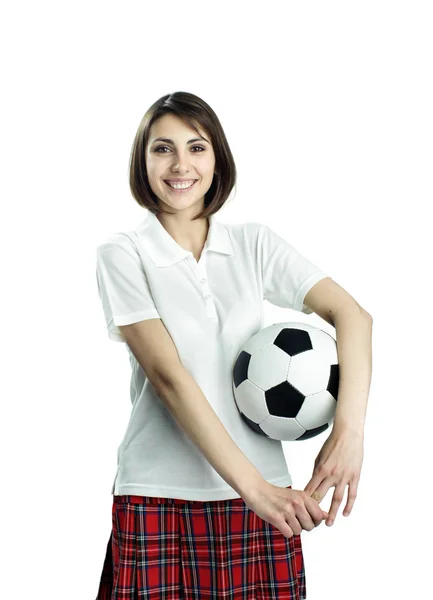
309,487
315,511
307,521
353,491
313,484
318,496
336,501
320,492
293,523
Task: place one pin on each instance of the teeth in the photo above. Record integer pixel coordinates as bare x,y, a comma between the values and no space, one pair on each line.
180,186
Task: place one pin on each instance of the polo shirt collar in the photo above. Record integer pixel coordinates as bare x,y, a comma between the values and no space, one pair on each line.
165,251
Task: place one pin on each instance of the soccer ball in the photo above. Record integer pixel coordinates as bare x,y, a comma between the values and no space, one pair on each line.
285,381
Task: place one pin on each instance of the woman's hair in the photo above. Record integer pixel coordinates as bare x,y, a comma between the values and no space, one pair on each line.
195,112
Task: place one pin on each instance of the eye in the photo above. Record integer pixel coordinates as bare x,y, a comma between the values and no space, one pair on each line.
166,147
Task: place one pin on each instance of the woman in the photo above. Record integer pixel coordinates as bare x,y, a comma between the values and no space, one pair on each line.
197,491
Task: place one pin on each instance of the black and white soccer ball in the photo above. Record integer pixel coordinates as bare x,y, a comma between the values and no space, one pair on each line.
285,381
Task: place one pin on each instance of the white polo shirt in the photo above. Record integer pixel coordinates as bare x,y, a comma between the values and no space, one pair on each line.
210,309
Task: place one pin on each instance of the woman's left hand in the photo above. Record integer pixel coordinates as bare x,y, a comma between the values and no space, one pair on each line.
338,464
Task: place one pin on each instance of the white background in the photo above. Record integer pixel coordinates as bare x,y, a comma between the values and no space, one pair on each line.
327,107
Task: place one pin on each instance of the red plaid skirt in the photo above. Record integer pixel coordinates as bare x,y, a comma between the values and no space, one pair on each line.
192,550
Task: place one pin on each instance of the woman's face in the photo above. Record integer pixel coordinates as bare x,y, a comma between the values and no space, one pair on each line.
179,159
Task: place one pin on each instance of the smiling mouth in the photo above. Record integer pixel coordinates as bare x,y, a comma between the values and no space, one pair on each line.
180,186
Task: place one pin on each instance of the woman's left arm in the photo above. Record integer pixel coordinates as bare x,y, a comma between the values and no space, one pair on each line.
339,461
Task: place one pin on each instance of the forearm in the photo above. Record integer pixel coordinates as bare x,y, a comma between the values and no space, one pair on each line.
191,410
354,343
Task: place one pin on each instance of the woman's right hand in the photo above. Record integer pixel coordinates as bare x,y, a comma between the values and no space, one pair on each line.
288,510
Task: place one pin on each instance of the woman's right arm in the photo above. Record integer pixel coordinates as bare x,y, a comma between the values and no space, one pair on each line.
288,510
156,352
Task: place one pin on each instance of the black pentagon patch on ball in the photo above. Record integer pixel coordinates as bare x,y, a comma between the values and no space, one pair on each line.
334,379
255,426
240,371
293,341
312,432
284,400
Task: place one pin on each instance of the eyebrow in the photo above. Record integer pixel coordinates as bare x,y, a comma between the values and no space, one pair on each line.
168,141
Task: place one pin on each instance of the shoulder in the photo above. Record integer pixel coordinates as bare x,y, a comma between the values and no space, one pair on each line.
120,241
250,229
248,236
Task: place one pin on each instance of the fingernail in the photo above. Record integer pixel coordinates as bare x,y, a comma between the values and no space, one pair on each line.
330,523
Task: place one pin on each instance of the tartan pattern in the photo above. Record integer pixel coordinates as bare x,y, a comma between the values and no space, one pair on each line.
173,549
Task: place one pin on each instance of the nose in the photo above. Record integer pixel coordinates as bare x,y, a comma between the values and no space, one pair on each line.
180,162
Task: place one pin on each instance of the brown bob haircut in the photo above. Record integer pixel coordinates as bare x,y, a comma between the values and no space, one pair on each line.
196,113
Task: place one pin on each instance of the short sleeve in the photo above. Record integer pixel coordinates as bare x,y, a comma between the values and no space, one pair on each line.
122,286
287,275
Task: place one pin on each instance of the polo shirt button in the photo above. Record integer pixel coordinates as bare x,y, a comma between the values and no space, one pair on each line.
207,297
203,281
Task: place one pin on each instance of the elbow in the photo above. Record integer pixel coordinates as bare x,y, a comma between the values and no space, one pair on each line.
367,315
164,383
